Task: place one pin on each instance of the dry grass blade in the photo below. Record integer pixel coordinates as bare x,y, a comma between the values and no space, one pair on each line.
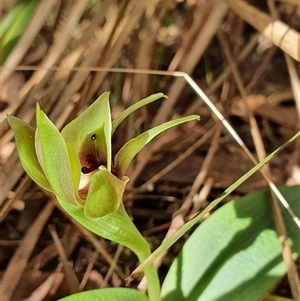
88,271
202,174
20,258
215,13
42,291
295,82
154,14
189,37
61,41
286,248
4,210
237,138
227,70
82,44
180,215
208,30
260,149
70,240
71,277
12,179
131,19
180,159
112,267
279,33
100,249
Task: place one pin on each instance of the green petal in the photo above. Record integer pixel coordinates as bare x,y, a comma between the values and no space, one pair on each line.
75,171
94,117
105,194
24,136
133,146
134,107
54,159
94,147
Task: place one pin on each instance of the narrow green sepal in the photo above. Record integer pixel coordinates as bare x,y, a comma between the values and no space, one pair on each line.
134,107
105,194
133,146
76,173
24,137
53,157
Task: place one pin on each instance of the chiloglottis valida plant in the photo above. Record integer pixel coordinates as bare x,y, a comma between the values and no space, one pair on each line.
76,165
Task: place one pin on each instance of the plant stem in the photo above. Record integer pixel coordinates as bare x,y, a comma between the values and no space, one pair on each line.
152,278
112,227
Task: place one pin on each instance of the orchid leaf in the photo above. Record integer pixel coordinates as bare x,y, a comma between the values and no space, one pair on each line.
105,194
54,157
24,136
135,107
133,146
236,253
94,117
116,227
108,294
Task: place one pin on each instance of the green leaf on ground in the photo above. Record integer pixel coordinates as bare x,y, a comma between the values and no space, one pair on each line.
235,254
108,294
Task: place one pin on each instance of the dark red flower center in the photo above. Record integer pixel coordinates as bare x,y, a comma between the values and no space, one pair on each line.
91,160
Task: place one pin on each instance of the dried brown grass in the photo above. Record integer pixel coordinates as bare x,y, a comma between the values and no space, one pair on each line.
64,76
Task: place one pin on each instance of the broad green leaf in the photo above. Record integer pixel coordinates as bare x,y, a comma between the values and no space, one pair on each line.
135,107
235,254
108,294
116,227
105,194
54,159
133,146
94,117
24,136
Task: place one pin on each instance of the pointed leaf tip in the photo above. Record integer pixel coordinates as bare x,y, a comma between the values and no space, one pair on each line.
133,146
24,138
135,107
53,156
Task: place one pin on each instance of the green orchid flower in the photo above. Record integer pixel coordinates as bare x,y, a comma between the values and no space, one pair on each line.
76,164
